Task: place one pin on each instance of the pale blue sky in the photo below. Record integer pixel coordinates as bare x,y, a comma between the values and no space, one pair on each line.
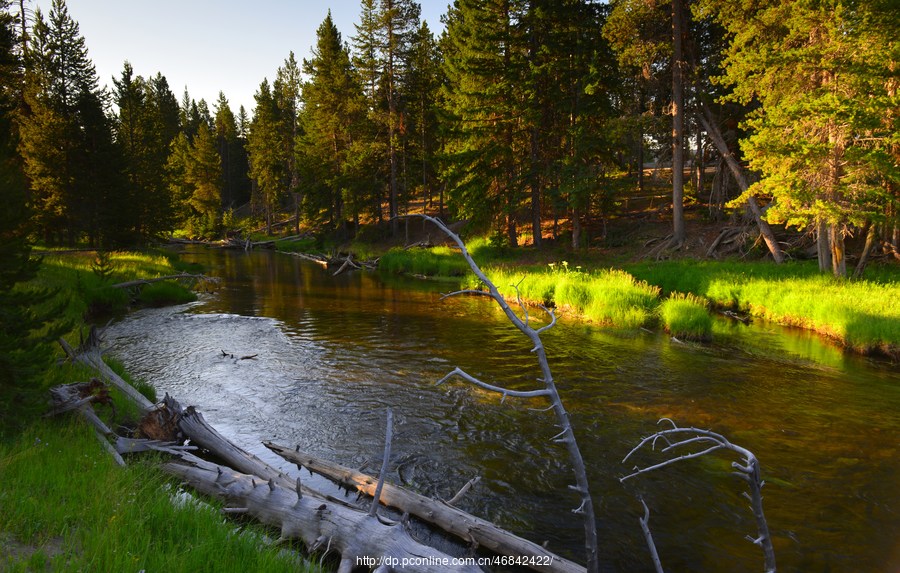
211,45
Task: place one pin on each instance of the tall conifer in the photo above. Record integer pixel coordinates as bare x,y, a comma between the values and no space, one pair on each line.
266,153
332,118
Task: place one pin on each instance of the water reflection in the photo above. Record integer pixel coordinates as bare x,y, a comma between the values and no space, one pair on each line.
333,352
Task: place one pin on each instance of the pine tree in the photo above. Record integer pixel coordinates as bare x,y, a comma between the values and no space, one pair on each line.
66,139
177,179
824,135
204,175
384,41
484,66
142,139
422,96
24,333
227,145
650,36
266,153
333,158
286,90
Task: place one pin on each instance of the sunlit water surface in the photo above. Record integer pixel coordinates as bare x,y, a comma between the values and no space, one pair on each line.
332,353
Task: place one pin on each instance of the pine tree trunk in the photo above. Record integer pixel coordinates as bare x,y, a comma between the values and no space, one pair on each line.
838,255
822,246
576,227
678,231
698,162
511,234
871,236
535,192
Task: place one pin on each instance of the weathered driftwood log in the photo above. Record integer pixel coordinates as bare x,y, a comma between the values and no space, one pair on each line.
318,259
450,519
194,426
79,396
90,356
360,539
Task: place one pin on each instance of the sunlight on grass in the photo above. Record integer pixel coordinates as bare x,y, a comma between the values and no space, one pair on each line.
686,316
75,276
609,297
862,314
435,261
58,485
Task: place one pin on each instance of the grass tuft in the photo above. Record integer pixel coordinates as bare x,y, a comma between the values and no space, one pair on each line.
686,316
610,297
435,261
165,293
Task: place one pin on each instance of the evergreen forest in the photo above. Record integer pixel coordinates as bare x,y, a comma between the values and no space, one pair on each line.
531,119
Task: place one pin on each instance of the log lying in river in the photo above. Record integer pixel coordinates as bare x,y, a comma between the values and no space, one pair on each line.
450,519
359,538
264,492
320,521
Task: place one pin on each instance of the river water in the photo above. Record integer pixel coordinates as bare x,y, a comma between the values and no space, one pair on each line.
332,353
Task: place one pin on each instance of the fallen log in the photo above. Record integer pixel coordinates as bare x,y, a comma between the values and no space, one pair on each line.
181,276
91,357
264,492
193,425
359,538
313,258
450,519
69,397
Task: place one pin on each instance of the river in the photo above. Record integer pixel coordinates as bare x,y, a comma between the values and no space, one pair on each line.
332,353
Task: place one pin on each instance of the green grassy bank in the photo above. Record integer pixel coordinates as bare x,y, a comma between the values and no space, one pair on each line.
64,504
861,315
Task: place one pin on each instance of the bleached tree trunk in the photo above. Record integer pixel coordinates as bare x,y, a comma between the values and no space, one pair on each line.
566,436
441,514
359,538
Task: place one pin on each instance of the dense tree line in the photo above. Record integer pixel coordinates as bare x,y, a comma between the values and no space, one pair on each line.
528,117
27,315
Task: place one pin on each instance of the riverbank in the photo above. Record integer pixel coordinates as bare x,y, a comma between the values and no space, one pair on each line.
67,506
678,295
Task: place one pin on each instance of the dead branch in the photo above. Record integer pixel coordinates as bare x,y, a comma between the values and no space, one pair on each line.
676,439
567,435
348,262
645,527
90,356
463,490
388,437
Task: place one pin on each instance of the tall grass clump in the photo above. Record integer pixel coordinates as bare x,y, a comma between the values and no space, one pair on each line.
686,316
431,262
861,314
74,510
611,297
